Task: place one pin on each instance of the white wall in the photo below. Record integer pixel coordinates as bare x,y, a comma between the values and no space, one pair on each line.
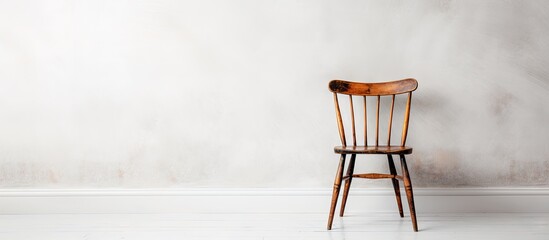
220,93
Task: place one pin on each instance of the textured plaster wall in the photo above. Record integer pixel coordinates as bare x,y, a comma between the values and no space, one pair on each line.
216,93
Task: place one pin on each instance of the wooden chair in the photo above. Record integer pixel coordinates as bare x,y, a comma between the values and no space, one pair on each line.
364,90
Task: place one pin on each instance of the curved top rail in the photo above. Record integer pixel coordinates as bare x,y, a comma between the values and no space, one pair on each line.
373,89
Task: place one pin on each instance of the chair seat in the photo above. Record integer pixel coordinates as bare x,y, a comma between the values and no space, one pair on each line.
372,150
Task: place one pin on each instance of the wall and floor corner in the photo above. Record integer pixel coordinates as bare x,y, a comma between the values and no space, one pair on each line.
191,103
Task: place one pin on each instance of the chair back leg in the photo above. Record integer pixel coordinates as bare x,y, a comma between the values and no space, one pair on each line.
350,171
409,191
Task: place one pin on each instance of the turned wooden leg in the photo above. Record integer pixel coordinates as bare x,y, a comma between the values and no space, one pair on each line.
335,194
396,186
409,191
350,170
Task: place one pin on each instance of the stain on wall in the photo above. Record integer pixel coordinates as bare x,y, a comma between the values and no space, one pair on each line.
234,93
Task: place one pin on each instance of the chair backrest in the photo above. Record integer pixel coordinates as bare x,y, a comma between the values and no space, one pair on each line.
393,88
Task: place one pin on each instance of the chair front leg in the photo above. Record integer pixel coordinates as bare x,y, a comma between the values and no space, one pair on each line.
350,170
409,191
335,194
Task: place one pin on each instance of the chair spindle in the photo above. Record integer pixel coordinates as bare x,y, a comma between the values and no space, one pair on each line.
406,120
391,120
339,122
353,119
377,121
365,124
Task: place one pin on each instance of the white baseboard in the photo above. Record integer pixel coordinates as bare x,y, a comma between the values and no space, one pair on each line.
456,200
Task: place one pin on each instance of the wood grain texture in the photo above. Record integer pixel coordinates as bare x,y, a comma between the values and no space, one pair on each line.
335,193
405,86
339,121
409,191
373,89
375,175
377,120
372,150
365,122
390,124
396,187
406,120
352,119
348,179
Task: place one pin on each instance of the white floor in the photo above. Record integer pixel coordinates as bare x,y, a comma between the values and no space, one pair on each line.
273,226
